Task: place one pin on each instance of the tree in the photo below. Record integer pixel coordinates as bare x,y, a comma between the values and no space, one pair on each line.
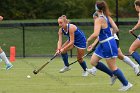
50,9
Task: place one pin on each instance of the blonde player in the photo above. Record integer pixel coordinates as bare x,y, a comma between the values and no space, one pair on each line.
76,38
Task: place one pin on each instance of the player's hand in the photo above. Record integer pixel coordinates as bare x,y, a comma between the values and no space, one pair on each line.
61,50
89,48
131,31
1,18
58,52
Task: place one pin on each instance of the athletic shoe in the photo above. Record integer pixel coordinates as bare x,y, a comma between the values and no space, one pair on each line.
136,70
0,60
138,74
8,66
125,88
85,73
64,69
92,71
112,80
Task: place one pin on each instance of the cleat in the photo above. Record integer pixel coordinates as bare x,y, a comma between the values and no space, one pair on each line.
125,88
92,71
136,70
9,66
112,80
138,74
85,73
64,69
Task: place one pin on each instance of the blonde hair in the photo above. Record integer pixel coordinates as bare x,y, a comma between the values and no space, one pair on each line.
64,18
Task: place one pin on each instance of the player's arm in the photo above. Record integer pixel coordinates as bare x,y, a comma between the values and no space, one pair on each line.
1,18
59,43
93,45
114,26
97,27
136,26
95,42
71,34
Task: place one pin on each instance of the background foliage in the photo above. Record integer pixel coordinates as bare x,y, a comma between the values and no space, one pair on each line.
52,9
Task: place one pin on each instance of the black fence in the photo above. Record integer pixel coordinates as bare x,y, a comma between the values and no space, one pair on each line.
39,39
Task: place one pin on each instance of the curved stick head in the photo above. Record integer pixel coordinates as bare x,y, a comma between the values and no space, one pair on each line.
35,72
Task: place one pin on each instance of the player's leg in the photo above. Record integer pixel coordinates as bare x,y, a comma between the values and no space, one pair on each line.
118,73
80,54
132,50
66,64
104,69
64,56
98,54
128,61
5,59
99,65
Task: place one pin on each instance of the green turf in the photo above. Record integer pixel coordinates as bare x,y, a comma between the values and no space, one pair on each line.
51,81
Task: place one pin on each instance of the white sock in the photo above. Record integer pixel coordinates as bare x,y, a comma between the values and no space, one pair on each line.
4,58
128,61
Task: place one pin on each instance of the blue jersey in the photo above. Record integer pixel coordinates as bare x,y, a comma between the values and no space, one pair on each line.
107,47
79,37
105,33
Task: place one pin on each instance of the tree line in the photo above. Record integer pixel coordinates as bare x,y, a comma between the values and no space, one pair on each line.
52,9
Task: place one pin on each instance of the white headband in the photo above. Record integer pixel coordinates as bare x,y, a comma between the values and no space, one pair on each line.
96,8
95,14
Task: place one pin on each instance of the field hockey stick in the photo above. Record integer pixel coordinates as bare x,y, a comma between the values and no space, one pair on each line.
84,55
36,71
134,35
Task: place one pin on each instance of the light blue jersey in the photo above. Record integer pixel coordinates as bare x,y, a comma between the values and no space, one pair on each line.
79,37
107,47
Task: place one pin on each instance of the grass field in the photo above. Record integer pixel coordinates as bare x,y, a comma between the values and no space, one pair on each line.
51,81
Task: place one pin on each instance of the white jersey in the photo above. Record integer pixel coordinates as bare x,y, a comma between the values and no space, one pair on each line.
115,36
